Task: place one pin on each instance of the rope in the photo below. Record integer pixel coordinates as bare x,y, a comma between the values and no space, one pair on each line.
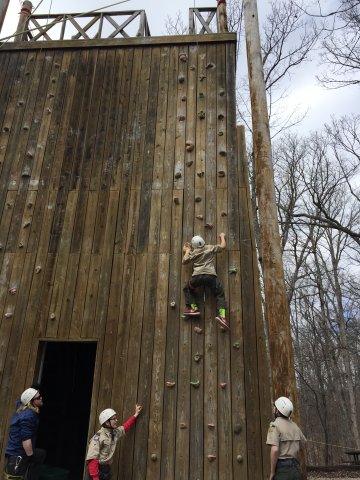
6,39
333,445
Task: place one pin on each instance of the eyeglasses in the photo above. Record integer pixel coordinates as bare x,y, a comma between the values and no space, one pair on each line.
38,397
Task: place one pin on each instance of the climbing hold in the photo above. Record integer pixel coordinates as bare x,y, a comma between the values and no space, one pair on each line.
52,316
1,246
176,201
29,154
57,65
6,129
211,458
26,224
26,172
13,291
183,425
181,79
197,357
172,304
200,217
154,457
239,458
210,65
183,98
237,428
192,67
51,95
222,153
21,245
198,199
181,118
48,110
220,133
201,95
236,345
183,57
222,93
26,127
177,175
198,330
223,214
201,115
209,225
38,269
201,77
223,385
189,146
195,383
190,162
232,270
211,426
200,174
29,205
170,384
221,173
8,314
20,103
220,116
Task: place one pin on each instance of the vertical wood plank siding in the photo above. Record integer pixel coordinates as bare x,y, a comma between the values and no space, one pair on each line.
98,194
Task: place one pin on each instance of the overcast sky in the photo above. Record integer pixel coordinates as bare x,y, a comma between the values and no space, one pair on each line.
304,91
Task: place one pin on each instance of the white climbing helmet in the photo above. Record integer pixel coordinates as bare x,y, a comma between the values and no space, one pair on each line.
28,395
285,406
105,415
197,241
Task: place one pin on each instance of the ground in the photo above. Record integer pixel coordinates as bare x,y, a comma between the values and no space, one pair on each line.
345,474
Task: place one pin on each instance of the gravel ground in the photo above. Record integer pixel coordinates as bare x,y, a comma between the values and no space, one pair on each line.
344,474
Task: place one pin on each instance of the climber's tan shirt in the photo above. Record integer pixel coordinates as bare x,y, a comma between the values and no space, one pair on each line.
203,259
103,443
286,435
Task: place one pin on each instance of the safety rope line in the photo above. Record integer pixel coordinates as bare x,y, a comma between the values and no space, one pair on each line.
332,445
84,14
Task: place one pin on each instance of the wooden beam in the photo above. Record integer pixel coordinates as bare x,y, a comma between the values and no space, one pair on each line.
4,4
25,13
277,312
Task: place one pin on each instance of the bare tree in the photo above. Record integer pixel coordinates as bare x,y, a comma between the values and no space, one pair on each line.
341,45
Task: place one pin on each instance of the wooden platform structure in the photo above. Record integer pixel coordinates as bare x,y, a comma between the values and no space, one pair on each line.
113,153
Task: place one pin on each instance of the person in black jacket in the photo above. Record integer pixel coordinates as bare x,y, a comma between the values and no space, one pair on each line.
21,456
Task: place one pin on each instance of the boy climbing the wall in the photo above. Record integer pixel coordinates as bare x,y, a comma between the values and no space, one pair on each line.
204,274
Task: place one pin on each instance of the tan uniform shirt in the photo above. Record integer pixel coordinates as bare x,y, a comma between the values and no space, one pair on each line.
286,435
203,259
103,443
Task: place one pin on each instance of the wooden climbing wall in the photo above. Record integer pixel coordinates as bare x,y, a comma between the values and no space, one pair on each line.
112,155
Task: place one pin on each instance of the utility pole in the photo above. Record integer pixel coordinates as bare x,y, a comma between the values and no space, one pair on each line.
25,13
3,9
276,304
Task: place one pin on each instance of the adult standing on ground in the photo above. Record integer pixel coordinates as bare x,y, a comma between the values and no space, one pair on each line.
21,456
102,445
285,439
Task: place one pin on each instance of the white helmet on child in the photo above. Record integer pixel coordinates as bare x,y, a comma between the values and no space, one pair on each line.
197,241
105,415
285,406
28,395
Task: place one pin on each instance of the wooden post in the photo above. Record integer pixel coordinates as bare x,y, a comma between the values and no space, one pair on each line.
25,13
3,9
222,17
277,311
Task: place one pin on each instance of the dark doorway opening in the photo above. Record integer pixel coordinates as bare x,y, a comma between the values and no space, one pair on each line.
65,373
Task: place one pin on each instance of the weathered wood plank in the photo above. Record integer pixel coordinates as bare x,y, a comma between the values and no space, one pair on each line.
173,349
133,365
106,264
147,160
158,370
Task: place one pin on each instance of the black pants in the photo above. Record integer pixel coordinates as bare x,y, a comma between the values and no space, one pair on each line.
210,281
288,470
17,465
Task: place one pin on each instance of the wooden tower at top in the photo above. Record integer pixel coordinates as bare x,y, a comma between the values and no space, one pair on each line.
113,153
